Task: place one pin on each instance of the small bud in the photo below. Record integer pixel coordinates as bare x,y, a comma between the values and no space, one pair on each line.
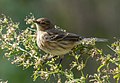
29,21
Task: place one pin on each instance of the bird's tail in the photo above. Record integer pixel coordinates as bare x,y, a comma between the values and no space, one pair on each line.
101,39
96,39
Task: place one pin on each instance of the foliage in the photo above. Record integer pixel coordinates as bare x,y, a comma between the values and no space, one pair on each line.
1,81
20,47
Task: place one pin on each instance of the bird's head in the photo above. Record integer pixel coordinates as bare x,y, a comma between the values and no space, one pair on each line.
43,24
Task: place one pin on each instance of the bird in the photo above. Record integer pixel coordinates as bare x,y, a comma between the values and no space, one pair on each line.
55,41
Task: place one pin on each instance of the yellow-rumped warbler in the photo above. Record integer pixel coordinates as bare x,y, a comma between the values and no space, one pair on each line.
55,41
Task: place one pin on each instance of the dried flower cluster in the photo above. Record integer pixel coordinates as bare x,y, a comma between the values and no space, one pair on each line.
1,81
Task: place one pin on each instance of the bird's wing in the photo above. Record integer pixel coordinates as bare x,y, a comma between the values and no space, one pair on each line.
62,36
65,37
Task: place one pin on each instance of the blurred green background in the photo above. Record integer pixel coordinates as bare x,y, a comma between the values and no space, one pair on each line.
89,18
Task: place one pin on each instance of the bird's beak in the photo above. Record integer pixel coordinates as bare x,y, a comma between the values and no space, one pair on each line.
35,21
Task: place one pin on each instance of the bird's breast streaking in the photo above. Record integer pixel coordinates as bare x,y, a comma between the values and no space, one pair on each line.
56,44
